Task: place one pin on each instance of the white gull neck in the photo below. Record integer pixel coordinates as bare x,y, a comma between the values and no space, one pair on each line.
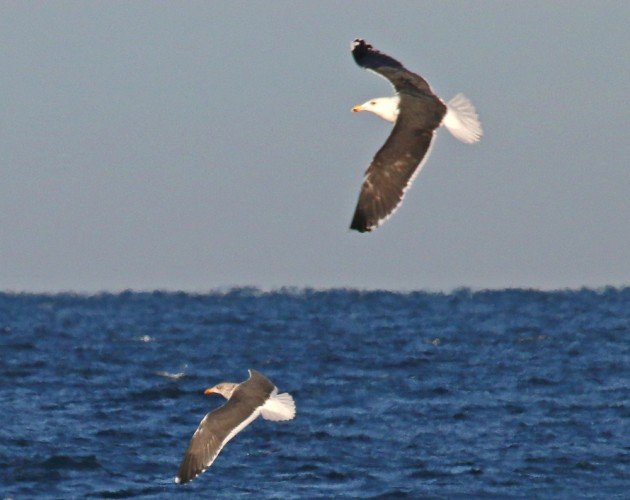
384,107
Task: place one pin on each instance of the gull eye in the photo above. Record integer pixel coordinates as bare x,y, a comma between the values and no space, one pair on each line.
372,103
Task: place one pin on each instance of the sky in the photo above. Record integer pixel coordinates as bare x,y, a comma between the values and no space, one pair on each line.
203,145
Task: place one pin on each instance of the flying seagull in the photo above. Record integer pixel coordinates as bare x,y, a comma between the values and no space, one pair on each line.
256,396
417,113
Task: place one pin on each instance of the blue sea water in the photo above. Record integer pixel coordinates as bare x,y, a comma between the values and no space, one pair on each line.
510,393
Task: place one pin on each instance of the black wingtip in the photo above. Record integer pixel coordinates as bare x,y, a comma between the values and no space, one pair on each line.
360,48
359,223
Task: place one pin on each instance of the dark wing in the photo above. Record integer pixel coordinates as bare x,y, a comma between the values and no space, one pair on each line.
222,424
256,385
214,431
400,77
397,163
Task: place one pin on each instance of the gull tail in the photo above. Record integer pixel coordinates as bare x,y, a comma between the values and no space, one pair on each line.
279,407
461,120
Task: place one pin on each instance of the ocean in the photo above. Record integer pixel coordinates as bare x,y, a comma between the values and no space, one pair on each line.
483,394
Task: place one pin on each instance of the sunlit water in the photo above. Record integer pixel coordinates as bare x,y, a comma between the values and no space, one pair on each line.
506,393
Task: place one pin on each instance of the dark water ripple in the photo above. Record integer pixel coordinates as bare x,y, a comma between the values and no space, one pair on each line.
510,393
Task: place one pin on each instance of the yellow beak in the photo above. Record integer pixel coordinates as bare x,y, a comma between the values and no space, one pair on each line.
209,391
358,108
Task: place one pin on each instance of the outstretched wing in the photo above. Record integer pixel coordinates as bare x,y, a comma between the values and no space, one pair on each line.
400,77
390,174
213,433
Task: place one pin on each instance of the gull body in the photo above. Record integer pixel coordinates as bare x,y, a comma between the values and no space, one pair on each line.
245,402
416,113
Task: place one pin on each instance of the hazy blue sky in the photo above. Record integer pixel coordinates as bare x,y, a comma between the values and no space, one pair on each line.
196,145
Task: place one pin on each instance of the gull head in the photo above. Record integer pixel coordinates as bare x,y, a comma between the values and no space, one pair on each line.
384,107
225,389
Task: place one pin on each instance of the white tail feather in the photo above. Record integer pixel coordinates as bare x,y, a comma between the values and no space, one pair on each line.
279,407
461,120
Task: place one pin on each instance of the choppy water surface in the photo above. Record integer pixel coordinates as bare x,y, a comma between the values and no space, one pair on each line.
503,393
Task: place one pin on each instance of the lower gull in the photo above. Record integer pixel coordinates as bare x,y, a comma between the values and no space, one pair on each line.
246,401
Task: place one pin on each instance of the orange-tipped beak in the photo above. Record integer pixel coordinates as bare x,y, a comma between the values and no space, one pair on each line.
356,109
208,391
